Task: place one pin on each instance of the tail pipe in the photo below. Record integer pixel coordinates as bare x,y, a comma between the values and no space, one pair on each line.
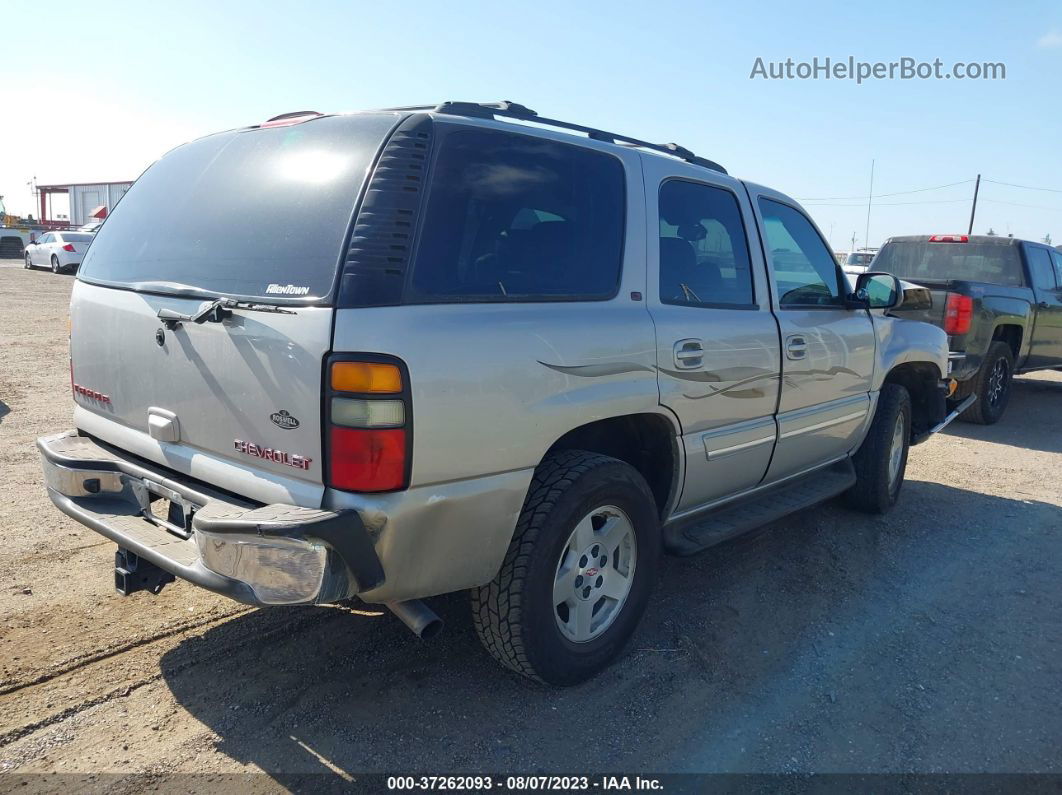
418,617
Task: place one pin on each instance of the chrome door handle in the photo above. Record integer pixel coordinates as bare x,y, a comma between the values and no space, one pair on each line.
689,354
796,347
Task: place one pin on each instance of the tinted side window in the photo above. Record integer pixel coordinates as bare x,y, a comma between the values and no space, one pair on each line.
512,217
704,259
804,269
1056,258
1043,272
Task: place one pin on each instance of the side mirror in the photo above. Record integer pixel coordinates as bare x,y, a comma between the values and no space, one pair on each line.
878,290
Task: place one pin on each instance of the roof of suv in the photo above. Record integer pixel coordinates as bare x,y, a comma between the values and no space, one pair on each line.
512,115
513,110
505,111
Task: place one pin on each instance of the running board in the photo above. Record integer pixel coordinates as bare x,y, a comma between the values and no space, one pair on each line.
946,421
756,510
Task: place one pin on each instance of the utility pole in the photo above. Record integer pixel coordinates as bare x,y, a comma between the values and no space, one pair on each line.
973,210
870,199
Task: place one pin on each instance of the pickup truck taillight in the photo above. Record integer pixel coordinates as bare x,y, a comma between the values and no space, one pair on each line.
958,311
368,432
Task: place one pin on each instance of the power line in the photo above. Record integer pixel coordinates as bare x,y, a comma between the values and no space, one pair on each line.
1017,204
886,204
1024,187
883,195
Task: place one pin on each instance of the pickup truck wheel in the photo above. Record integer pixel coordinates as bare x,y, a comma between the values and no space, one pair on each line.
578,573
992,386
881,460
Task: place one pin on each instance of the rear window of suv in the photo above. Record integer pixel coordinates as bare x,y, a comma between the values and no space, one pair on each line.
993,263
251,213
513,217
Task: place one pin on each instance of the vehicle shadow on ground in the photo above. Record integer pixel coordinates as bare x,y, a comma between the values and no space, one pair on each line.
1033,419
773,652
4,410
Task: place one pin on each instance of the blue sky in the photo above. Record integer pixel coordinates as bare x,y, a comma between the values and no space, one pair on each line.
117,84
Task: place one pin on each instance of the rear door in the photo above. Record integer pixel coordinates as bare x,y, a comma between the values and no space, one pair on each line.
1045,266
260,215
717,341
827,350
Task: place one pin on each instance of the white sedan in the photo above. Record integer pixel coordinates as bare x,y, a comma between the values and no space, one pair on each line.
59,251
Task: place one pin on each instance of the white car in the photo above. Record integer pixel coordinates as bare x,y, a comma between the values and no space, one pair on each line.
859,261
59,251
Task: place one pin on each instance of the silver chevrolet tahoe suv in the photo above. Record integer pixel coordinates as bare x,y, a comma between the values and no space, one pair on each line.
400,353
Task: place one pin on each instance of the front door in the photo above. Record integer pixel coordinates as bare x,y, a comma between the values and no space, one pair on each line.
717,340
1045,267
39,255
827,349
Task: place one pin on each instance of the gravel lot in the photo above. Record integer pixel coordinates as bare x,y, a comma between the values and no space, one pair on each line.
929,640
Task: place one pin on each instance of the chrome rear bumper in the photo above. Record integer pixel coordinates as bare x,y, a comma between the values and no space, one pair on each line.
258,554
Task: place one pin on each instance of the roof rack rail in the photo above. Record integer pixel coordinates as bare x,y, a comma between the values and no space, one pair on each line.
514,110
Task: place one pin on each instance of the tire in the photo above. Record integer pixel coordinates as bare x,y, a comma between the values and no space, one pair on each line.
992,386
881,461
55,264
28,265
518,616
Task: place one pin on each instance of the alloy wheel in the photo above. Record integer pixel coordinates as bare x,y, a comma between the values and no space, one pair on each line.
899,433
997,382
594,574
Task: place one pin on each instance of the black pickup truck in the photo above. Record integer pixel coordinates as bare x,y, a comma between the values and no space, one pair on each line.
999,300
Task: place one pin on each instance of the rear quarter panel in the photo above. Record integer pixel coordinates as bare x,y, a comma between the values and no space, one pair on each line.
996,306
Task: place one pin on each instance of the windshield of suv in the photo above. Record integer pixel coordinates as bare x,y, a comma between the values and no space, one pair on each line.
248,213
995,263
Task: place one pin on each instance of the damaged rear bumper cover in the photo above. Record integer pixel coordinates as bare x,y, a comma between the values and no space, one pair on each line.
256,554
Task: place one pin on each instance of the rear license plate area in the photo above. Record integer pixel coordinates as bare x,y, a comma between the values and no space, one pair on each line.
166,509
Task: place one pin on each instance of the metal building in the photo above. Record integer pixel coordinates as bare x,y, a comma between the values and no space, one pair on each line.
88,201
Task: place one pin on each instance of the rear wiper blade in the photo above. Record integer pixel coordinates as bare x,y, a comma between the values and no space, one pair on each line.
216,311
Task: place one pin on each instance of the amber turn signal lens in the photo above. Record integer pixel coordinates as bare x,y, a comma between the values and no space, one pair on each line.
366,377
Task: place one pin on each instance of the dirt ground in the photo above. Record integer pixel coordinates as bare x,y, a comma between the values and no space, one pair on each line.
929,640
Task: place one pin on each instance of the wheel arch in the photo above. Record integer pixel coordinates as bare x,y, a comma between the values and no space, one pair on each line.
648,441
922,382
1013,335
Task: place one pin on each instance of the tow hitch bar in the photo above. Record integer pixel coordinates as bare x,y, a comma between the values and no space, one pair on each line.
132,573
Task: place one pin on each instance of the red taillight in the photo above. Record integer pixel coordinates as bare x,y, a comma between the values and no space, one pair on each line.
68,247
949,239
958,312
368,424
367,460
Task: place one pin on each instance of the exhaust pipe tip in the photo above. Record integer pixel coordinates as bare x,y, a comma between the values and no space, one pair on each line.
421,619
